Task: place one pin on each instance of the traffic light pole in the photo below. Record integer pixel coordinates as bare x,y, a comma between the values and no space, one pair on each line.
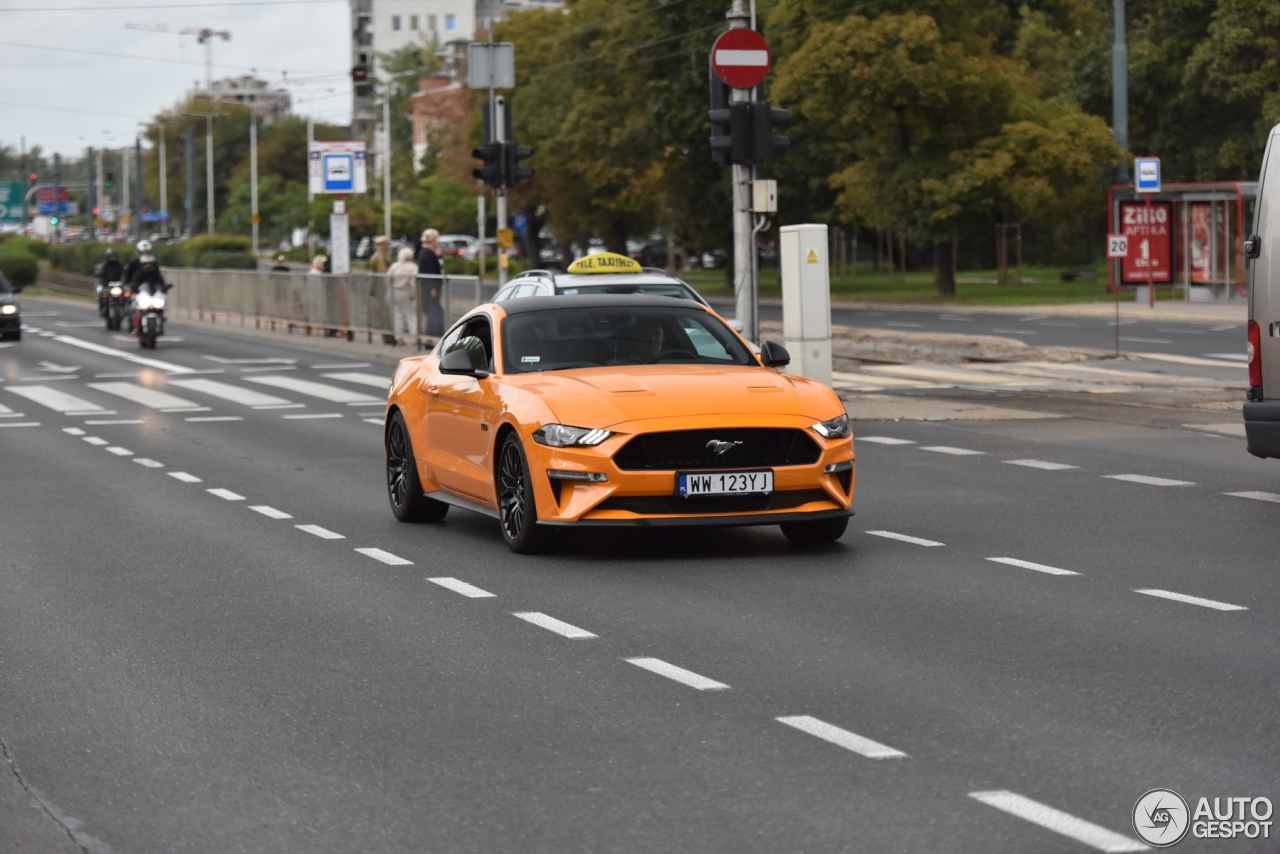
744,258
500,193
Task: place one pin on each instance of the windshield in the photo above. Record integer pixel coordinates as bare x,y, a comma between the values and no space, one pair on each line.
626,335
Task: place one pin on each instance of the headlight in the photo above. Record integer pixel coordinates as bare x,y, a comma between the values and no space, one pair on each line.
8,309
116,290
836,428
562,436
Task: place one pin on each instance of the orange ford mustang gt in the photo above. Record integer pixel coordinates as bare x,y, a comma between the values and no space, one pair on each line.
582,411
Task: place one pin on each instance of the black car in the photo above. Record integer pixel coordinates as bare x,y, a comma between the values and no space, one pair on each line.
10,314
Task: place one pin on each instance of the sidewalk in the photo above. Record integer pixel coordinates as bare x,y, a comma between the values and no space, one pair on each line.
1166,311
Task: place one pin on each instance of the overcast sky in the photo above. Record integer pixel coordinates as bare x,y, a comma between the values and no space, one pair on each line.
94,93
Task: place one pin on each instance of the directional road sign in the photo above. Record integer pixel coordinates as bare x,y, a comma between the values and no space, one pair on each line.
520,223
10,201
741,58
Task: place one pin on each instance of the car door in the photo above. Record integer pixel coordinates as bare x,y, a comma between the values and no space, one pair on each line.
460,412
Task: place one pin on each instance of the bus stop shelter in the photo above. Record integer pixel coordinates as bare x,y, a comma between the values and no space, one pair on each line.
1190,236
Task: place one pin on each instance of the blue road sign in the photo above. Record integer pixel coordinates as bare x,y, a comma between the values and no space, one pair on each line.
339,173
520,223
1148,172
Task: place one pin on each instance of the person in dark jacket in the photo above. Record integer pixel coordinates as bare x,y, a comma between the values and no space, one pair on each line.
429,264
144,248
147,276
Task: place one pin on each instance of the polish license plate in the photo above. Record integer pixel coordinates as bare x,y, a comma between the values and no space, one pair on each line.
724,483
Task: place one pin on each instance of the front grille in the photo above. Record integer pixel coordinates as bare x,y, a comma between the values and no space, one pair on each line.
661,505
751,447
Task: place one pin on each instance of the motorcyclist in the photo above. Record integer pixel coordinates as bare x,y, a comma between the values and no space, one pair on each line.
110,270
147,275
144,248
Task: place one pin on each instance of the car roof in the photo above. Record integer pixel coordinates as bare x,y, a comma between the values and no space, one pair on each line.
520,306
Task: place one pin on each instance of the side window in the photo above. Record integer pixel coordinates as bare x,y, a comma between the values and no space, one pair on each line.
449,342
505,293
525,291
477,339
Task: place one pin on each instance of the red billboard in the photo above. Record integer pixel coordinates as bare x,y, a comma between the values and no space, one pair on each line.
1149,229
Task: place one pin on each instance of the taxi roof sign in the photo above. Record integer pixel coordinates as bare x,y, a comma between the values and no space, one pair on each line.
605,262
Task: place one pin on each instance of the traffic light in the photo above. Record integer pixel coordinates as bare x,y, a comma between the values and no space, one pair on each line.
34,177
111,179
491,172
512,172
764,143
97,211
53,220
742,133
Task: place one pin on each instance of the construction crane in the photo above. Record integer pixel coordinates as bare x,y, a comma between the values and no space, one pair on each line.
204,36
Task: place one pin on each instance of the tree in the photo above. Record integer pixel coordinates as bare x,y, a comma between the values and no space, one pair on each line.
935,129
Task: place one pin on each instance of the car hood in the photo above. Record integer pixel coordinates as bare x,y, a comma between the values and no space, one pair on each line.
603,397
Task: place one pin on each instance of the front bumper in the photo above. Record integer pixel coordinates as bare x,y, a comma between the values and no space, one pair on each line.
647,498
10,322
1262,427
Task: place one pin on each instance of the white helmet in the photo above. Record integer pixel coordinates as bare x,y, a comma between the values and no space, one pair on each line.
144,246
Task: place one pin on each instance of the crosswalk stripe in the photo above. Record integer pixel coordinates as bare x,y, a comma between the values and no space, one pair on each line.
233,393
55,399
146,396
314,389
357,377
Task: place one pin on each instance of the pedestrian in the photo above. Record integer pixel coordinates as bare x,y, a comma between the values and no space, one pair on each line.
429,265
381,258
403,275
282,264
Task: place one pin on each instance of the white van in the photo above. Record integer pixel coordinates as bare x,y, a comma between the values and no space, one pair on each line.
1262,249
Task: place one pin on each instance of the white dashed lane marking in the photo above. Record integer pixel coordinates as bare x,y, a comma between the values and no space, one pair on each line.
677,674
1150,481
322,533
119,451
314,416
1038,567
269,511
233,393
890,535
314,389
216,418
386,557
151,464
551,624
95,440
21,424
1147,340
461,587
1256,496
1040,464
184,477
372,420
842,737
1058,821
148,397
372,380
115,421
226,494
946,449
1193,600
73,431
58,401
885,440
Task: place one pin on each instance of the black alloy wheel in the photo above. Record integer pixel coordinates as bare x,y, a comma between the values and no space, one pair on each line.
816,532
404,489
516,508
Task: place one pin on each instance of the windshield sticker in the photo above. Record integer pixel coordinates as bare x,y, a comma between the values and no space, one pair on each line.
531,358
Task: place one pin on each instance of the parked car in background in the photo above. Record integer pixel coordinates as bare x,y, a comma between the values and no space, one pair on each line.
460,246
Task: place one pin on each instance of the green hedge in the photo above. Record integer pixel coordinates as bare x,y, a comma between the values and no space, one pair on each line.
227,261
19,267
194,247
17,242
82,257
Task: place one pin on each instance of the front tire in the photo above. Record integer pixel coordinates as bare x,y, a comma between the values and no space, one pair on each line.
517,511
815,533
404,489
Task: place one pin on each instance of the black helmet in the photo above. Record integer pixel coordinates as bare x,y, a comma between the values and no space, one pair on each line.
112,254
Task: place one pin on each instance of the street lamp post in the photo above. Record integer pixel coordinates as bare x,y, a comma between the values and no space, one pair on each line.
208,171
253,174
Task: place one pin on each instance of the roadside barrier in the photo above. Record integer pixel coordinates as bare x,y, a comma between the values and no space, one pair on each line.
411,308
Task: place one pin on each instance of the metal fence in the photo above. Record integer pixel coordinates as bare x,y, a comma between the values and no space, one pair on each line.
412,308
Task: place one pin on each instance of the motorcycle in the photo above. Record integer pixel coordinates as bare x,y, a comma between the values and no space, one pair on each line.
148,317
116,296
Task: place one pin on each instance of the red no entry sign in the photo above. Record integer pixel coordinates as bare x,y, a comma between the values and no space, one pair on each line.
741,58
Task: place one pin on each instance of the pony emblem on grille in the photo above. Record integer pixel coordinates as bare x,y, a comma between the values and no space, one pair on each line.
718,447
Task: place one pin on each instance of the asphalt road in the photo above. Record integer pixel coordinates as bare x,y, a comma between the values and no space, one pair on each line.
217,639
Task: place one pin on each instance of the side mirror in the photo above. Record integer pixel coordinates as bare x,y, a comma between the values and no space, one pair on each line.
459,363
774,355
